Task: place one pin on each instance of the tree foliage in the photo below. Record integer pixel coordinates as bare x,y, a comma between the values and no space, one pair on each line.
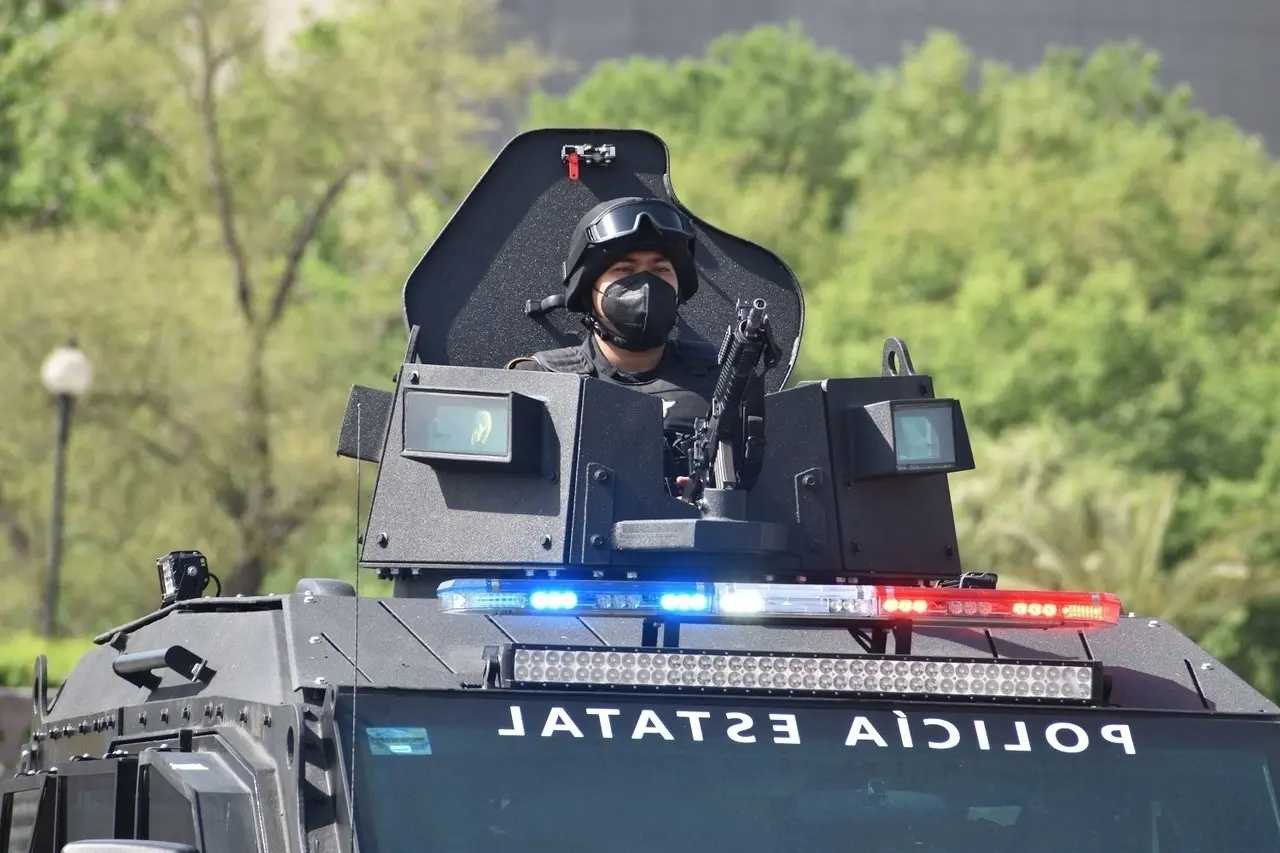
1109,242
1042,514
759,131
1073,244
1246,642
18,658
59,161
768,89
219,320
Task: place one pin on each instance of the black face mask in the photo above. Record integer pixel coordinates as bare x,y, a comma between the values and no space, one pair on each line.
642,308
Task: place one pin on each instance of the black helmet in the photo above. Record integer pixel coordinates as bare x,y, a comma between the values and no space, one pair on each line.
613,228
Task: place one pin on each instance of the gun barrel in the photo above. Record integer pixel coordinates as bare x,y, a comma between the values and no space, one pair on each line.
755,317
745,342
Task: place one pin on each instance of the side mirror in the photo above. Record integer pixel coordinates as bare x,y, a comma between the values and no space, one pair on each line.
127,845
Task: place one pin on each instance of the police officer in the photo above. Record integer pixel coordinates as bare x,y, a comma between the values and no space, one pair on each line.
629,269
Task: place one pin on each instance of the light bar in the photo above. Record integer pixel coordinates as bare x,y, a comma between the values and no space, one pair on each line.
762,602
544,666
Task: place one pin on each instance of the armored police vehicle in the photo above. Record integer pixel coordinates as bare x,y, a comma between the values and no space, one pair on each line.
579,657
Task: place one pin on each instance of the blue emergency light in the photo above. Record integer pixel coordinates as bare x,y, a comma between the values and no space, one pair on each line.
762,602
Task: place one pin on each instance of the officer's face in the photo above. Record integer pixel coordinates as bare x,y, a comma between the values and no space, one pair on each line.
644,260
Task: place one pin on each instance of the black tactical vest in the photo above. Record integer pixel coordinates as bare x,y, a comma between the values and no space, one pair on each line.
685,379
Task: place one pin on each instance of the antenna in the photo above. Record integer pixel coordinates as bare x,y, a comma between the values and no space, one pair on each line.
355,664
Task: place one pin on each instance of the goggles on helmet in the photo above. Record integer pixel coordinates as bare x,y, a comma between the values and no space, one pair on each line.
627,219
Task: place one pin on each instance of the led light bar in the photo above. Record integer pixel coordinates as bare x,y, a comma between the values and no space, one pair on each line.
760,602
683,670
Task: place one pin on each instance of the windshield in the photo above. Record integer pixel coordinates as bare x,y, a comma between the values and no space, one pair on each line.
501,773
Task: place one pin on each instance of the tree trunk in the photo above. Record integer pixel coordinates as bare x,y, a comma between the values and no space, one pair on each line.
257,550
247,573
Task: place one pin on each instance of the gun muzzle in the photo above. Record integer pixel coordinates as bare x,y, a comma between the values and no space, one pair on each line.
755,317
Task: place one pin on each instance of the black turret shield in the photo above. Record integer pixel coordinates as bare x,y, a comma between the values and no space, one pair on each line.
504,248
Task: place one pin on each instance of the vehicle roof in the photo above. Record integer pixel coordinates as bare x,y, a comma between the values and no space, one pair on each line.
265,649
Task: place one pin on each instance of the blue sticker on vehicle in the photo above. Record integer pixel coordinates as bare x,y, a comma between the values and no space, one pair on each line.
398,741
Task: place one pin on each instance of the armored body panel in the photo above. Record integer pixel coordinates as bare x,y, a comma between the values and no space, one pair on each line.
569,480
255,751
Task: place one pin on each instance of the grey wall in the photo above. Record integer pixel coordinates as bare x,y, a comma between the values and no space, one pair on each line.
1227,50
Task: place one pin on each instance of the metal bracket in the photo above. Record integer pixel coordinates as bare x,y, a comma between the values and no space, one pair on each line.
974,580
811,514
600,155
895,359
139,667
669,629
491,671
40,689
597,515
411,350
546,305
876,640
576,155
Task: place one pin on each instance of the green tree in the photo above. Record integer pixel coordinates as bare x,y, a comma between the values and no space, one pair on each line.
1246,642
227,325
59,162
23,61
787,102
1044,515
1071,243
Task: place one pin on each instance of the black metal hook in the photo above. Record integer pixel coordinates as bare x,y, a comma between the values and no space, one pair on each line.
895,360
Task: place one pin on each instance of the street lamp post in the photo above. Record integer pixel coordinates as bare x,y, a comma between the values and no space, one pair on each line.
66,374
